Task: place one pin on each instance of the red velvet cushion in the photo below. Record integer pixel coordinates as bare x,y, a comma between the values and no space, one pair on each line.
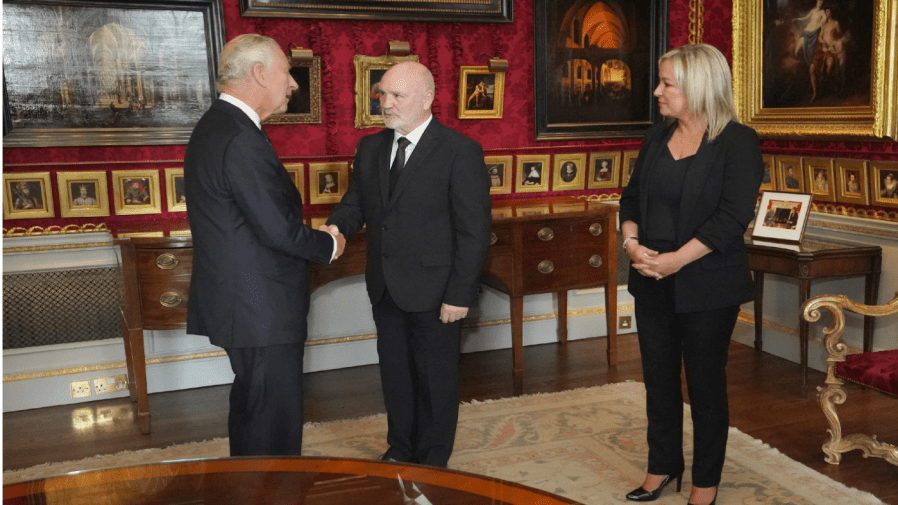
878,370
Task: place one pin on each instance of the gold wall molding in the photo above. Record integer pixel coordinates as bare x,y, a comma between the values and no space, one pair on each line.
696,21
745,317
8,250
38,231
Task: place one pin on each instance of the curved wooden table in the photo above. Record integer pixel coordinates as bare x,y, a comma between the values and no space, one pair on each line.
275,480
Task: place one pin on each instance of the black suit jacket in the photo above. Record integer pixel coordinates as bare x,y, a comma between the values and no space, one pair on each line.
249,286
427,242
716,205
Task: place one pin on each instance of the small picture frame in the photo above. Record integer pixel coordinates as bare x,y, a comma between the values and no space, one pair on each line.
368,71
604,170
628,166
499,170
820,172
782,216
480,93
533,173
328,182
788,174
852,185
176,198
884,183
297,174
768,182
82,194
304,106
568,172
27,196
136,192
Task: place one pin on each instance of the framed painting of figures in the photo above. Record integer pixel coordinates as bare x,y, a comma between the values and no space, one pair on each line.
596,66
121,72
824,68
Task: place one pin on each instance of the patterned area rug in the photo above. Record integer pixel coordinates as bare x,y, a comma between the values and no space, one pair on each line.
587,445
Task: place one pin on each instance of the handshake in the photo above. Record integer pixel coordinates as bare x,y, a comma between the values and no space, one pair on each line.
341,240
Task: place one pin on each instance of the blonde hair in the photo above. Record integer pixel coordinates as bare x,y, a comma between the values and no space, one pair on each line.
704,76
241,54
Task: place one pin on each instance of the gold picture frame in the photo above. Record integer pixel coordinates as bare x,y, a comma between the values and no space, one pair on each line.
297,174
481,93
768,182
328,181
499,170
136,192
304,106
789,177
821,181
852,182
627,166
533,173
368,71
816,117
176,199
27,196
568,171
604,170
884,183
82,194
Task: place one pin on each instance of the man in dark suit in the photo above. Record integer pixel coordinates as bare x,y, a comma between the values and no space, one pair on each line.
427,239
248,290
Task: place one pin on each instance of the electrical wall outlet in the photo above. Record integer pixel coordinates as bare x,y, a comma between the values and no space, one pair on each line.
623,322
105,385
80,389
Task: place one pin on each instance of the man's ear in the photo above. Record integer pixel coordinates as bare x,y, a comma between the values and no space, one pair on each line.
259,74
428,99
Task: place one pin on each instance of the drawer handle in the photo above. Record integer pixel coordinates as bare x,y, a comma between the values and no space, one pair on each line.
545,267
595,261
166,261
170,299
595,229
493,238
546,234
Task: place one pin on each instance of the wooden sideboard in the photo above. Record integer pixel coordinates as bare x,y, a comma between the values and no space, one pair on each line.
537,246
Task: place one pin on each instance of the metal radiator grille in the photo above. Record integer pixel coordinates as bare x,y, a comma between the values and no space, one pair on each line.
58,307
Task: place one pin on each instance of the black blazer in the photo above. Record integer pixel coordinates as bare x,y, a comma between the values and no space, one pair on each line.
716,206
249,286
428,242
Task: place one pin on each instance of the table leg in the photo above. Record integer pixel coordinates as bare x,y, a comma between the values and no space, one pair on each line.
871,296
517,341
137,368
562,316
804,292
611,322
759,310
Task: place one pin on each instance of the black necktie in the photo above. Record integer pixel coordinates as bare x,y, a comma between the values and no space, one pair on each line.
398,162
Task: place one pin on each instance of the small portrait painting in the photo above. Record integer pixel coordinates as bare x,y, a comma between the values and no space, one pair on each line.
135,191
480,93
852,182
533,174
820,172
327,183
479,90
768,181
138,191
495,170
852,185
604,170
789,176
821,183
26,195
497,167
568,171
175,194
889,184
884,183
84,194
180,196
629,165
601,170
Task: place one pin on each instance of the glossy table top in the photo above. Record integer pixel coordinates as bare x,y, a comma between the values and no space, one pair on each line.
275,480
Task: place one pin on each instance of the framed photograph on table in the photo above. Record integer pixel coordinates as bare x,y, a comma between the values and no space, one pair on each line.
628,166
136,192
782,217
533,173
82,194
119,72
328,182
852,185
768,182
569,172
368,71
175,197
884,183
604,170
820,172
788,174
27,195
480,93
499,170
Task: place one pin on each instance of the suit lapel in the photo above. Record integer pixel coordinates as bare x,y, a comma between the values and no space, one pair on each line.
428,141
383,165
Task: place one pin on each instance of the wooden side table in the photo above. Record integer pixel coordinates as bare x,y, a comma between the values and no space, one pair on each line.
813,259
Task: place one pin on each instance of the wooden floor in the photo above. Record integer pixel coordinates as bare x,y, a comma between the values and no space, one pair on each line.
766,402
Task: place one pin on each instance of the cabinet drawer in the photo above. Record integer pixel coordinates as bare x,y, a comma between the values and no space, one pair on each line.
501,238
551,270
164,263
565,234
164,303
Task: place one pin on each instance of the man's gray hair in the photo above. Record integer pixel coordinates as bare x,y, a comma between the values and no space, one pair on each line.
240,55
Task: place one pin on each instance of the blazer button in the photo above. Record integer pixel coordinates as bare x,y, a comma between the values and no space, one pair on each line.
385,256
386,227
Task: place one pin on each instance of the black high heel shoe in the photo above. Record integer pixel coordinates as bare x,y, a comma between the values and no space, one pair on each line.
640,494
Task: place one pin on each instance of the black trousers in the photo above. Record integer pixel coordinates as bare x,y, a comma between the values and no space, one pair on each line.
700,340
419,357
265,415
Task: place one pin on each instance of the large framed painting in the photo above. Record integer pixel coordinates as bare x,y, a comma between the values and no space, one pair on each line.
368,72
111,72
822,68
451,11
596,66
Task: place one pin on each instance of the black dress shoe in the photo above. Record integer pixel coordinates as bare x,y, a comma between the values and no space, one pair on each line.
385,457
640,494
